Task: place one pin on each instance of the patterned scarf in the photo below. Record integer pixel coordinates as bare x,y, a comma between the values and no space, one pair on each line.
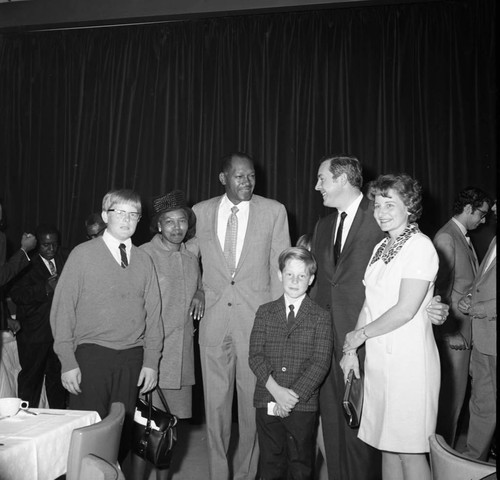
410,230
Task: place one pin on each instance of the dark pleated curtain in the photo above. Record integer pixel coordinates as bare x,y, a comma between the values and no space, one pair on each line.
154,107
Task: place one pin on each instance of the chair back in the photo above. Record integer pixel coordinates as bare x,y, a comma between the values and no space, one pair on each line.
101,439
448,464
95,468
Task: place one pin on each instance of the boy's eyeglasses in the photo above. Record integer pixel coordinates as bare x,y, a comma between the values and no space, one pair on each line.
122,214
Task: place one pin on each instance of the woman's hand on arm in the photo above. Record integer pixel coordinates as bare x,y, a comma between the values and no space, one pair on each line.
437,312
412,293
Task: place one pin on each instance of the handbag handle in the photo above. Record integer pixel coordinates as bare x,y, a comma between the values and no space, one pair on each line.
162,398
149,399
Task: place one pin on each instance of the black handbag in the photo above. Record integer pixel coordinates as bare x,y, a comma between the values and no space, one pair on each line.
151,443
352,402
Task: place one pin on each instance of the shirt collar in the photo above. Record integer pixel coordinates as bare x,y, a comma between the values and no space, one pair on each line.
296,302
112,242
226,204
460,226
353,207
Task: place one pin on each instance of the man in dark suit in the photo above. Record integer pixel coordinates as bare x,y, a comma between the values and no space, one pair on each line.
20,259
239,236
339,289
33,294
458,265
343,243
9,269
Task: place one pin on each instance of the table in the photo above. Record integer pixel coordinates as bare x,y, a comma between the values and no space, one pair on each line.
36,447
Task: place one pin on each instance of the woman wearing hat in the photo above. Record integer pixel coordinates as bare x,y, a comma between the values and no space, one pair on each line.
182,300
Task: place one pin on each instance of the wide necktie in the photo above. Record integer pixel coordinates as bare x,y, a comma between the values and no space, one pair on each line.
230,240
52,267
123,255
291,316
338,240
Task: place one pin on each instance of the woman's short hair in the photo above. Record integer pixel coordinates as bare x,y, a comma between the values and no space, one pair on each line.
298,253
126,196
405,186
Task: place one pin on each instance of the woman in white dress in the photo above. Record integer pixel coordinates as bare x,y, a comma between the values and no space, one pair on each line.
402,373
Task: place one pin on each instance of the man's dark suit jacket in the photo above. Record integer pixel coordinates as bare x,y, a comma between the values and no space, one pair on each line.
33,302
298,357
339,289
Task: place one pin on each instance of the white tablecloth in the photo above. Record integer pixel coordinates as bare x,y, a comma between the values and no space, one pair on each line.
36,447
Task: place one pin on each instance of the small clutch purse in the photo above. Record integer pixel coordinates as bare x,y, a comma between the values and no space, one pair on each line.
353,399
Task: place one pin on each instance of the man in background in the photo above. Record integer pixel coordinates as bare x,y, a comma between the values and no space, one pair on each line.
9,269
240,237
33,294
94,225
480,304
458,266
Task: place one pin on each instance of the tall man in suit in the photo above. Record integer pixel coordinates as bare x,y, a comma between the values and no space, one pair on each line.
458,265
240,237
339,289
481,306
343,243
33,294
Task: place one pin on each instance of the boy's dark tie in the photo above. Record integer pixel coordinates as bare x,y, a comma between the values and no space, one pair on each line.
123,255
291,316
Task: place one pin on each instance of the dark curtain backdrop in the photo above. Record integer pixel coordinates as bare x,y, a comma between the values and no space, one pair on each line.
154,107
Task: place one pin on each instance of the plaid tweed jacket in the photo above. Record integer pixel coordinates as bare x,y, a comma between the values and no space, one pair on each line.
298,357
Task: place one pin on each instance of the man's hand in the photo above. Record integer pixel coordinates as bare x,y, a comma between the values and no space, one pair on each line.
456,341
464,304
71,381
28,242
13,325
50,286
197,306
437,312
148,378
348,363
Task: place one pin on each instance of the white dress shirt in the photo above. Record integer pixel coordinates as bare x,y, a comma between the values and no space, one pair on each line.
351,213
114,246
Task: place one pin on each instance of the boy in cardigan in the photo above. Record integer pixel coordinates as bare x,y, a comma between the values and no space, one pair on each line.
105,316
290,353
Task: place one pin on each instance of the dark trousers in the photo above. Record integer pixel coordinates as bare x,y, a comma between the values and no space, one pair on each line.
109,376
38,363
287,445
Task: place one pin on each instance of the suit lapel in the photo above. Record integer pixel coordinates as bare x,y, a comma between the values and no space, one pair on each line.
469,248
483,269
215,237
302,313
252,226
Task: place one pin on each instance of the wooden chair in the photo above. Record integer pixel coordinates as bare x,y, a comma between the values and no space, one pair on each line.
101,439
448,464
